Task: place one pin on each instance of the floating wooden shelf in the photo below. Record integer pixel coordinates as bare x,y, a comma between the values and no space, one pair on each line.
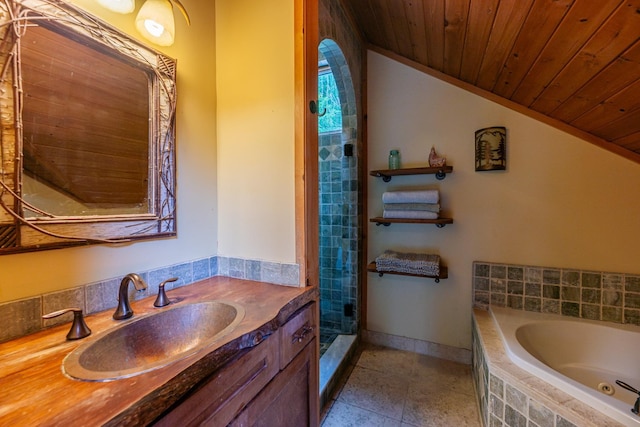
444,272
386,174
439,222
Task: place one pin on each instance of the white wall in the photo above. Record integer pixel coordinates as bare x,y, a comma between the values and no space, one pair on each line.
255,88
562,202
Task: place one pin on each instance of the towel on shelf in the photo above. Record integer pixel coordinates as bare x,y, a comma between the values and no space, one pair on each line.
420,196
400,214
408,262
432,207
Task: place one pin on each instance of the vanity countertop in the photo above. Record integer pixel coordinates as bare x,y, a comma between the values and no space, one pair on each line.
34,391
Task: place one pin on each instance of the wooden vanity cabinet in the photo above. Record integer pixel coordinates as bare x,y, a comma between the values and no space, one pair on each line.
289,400
273,384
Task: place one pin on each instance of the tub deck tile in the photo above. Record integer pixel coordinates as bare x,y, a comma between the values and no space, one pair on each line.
543,401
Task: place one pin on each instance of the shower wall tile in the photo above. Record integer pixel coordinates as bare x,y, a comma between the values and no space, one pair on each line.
339,232
606,296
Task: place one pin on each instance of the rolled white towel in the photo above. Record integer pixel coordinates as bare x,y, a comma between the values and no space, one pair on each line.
433,207
421,196
403,214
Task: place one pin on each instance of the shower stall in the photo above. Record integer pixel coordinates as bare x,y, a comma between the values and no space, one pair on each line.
339,209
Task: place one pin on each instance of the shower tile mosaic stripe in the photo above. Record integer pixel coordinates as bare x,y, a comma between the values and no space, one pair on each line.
338,270
611,297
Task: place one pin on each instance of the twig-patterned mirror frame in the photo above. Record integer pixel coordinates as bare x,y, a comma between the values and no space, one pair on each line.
47,231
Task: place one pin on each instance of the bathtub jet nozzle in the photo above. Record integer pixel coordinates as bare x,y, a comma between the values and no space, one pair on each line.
636,406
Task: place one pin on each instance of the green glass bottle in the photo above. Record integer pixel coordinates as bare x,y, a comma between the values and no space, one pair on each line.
394,159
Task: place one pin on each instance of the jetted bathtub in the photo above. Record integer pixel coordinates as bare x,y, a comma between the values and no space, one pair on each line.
581,357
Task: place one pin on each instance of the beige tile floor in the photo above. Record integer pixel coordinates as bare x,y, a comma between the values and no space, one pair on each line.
388,387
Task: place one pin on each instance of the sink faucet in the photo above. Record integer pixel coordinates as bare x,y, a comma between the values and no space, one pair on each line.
124,309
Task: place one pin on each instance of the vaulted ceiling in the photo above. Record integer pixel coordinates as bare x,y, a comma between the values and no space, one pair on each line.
572,63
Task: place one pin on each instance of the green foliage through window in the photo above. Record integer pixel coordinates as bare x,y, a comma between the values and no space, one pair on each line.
329,98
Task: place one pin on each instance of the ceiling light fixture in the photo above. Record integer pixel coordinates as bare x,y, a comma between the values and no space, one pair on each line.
155,20
119,6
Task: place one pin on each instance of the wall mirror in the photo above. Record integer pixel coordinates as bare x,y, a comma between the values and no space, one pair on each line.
87,122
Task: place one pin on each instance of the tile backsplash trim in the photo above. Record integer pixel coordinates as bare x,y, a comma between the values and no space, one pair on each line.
611,297
24,316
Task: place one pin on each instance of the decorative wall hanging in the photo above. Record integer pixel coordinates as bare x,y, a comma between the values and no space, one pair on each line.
491,149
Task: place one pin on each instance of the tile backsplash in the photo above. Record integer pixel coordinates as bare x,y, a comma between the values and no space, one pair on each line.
23,317
612,297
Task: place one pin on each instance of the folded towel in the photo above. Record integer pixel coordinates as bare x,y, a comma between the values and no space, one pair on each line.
400,214
412,263
432,207
423,196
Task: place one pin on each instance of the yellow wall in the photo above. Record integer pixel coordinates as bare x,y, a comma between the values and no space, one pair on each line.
562,202
235,150
255,84
40,272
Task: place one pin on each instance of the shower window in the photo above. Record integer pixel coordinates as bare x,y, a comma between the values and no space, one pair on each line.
330,119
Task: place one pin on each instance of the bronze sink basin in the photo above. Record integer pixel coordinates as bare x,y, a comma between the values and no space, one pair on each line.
153,341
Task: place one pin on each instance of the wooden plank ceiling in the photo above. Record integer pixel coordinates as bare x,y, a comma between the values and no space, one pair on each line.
573,61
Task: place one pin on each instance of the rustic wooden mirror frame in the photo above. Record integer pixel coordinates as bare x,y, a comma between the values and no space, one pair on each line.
47,231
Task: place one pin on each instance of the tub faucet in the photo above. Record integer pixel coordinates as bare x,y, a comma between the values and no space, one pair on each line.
123,311
636,406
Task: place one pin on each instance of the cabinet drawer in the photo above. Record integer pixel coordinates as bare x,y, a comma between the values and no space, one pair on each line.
226,393
297,333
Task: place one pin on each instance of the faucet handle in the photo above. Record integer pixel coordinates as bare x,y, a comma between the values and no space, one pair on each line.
162,298
79,328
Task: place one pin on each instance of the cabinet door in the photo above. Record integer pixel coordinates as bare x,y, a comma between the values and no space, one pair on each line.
219,399
290,399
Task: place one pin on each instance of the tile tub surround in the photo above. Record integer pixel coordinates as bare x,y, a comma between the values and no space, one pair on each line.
611,297
510,396
23,317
